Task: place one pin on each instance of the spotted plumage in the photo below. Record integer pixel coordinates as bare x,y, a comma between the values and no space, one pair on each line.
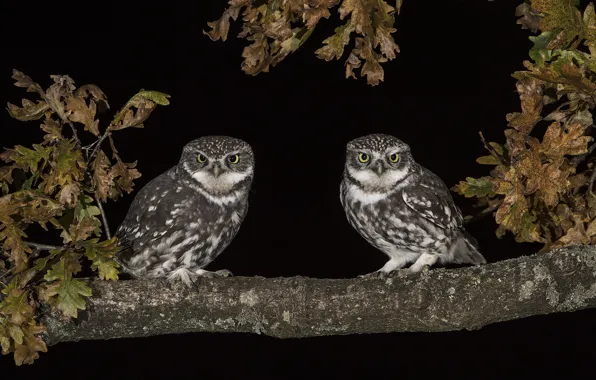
184,218
402,208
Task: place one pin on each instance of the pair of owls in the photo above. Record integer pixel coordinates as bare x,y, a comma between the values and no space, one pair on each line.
183,219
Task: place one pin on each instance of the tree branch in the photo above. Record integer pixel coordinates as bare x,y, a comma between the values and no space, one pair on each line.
468,298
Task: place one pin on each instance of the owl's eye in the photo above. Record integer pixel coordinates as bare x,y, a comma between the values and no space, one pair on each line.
394,157
363,157
234,158
201,158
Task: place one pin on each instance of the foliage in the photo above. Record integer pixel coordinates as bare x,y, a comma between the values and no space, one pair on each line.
279,27
59,182
542,176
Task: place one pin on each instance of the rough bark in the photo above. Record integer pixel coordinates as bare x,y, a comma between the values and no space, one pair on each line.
441,299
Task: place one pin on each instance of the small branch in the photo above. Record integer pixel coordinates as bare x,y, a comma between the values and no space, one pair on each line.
491,149
591,182
484,213
103,217
562,280
42,247
98,145
6,274
74,132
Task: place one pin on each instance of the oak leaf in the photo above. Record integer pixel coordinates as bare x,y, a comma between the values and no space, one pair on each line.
530,92
103,177
475,187
334,45
63,291
81,112
29,110
144,102
558,142
102,256
559,15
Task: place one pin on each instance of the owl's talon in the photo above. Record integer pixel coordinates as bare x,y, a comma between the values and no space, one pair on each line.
214,274
375,274
224,273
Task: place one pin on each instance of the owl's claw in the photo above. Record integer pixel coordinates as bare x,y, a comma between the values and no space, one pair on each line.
224,273
213,274
375,274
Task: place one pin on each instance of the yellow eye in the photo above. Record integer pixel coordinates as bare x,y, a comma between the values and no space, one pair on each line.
233,158
363,157
394,157
201,158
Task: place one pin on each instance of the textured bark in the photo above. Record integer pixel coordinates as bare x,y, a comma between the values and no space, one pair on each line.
438,300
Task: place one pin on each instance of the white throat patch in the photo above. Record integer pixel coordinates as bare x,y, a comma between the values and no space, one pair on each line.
369,178
222,184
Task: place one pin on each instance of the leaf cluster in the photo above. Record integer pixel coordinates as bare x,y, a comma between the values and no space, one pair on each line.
540,184
278,28
59,184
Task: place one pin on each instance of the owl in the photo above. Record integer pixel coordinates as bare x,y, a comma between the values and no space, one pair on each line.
184,218
401,208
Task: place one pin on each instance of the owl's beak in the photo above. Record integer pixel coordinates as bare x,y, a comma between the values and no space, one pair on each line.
215,171
378,168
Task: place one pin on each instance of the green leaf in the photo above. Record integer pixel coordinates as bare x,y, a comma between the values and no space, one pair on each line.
155,96
70,293
488,160
107,268
334,45
144,102
41,263
101,254
82,211
539,52
561,17
499,148
473,187
30,158
16,333
15,306
4,342
64,269
65,293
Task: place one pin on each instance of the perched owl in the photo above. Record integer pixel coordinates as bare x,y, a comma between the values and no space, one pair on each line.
184,218
402,208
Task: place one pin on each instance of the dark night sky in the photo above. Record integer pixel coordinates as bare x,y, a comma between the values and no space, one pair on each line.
451,80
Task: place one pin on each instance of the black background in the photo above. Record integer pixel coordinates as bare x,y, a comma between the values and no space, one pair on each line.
451,80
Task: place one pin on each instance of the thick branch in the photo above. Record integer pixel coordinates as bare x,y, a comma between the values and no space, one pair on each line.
439,300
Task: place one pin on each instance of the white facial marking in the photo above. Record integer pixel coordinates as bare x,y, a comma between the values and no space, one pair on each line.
224,183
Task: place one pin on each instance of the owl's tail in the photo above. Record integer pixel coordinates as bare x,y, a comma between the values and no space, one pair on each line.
466,251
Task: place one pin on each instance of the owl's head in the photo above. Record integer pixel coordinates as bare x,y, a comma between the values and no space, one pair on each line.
220,165
377,163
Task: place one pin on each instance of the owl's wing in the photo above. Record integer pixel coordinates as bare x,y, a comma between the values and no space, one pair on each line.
432,200
148,214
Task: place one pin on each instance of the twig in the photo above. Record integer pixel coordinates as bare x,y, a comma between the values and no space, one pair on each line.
74,132
5,274
42,247
491,149
103,217
98,145
482,214
591,183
